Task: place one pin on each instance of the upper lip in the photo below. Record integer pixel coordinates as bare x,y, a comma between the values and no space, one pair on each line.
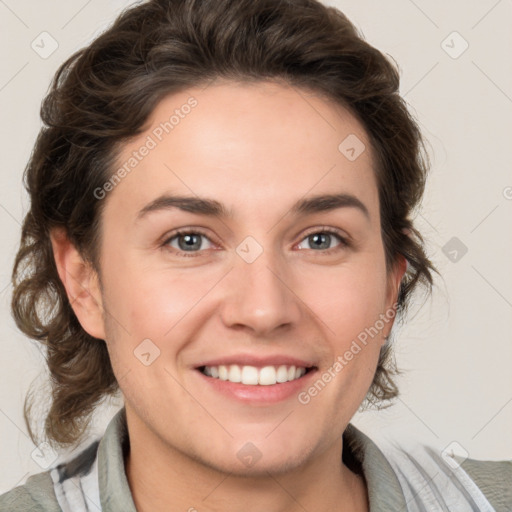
257,361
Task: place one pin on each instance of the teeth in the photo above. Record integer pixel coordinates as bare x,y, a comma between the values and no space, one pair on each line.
282,374
223,373
234,375
267,376
252,376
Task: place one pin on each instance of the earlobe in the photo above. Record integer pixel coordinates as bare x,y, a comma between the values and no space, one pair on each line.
394,284
81,283
396,278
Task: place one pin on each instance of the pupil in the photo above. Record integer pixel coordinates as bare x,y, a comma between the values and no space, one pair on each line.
321,237
190,241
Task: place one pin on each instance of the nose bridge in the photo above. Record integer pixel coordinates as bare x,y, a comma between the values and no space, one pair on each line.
258,295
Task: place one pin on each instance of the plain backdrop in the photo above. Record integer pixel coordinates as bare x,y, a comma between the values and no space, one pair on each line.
456,74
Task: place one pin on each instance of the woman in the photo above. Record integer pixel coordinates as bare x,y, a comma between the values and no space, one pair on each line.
220,229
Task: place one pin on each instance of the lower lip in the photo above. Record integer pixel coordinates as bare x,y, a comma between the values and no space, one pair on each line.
259,394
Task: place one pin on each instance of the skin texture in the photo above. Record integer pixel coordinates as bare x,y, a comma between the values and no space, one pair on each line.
256,148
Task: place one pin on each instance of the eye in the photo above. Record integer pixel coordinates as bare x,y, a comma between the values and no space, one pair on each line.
188,241
321,240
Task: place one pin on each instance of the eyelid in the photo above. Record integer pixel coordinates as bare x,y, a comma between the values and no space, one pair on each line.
344,238
325,229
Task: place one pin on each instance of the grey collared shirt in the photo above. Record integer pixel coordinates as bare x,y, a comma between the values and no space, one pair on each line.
95,480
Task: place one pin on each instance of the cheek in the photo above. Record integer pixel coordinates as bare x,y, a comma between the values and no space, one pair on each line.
348,300
149,303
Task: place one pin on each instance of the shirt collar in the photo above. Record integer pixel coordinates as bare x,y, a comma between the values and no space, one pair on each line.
115,492
384,490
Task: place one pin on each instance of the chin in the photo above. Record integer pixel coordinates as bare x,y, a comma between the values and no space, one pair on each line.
250,461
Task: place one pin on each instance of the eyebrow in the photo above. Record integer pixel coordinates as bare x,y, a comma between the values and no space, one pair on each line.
327,202
201,206
212,208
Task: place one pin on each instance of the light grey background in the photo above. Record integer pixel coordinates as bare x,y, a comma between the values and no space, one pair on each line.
457,350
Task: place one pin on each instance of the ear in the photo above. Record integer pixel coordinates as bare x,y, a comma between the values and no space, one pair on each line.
394,282
81,283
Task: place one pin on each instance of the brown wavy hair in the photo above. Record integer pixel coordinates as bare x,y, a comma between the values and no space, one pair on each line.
103,95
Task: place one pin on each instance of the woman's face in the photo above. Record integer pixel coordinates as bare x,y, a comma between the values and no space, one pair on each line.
263,275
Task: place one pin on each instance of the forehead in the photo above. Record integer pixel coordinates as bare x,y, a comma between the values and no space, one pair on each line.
247,145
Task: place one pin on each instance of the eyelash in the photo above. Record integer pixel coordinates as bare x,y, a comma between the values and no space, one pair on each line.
344,242
182,232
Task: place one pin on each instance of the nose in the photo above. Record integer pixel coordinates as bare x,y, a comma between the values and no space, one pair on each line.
259,296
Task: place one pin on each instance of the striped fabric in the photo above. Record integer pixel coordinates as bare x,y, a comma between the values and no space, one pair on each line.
430,484
76,484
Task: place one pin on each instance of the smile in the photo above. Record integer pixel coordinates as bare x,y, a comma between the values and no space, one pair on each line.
253,376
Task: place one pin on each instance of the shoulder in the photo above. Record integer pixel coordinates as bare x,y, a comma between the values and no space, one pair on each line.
430,474
39,492
36,495
494,479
